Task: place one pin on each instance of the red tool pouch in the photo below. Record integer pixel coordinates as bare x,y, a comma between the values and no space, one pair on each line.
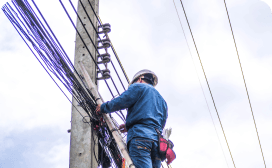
166,149
170,155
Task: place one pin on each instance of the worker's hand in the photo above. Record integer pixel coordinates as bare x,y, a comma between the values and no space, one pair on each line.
98,110
122,128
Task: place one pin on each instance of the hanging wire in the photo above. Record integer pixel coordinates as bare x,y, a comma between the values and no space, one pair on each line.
123,117
92,39
207,83
121,113
115,53
97,36
55,61
42,64
244,82
200,84
117,57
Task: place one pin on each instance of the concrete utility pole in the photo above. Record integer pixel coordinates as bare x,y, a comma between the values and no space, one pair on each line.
81,143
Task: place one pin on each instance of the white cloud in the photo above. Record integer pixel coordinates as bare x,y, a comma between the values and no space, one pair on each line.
148,35
56,156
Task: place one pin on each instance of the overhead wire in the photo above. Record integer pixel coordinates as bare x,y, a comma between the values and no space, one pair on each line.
13,21
123,117
40,43
67,13
117,57
45,68
5,9
100,23
244,82
56,63
90,36
208,84
200,82
97,36
113,49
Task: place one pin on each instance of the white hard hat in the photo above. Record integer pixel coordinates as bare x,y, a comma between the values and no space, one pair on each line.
142,72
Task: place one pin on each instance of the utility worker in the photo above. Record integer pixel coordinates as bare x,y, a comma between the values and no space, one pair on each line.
147,110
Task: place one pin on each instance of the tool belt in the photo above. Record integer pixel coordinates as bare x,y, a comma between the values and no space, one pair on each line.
165,149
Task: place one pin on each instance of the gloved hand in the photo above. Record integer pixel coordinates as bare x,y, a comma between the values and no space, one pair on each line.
98,110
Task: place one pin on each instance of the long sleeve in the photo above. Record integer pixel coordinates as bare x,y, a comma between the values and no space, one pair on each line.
125,100
147,110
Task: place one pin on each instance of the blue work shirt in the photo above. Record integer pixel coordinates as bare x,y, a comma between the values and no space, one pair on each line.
147,110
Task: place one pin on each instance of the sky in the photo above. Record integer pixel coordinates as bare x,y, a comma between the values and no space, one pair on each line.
35,115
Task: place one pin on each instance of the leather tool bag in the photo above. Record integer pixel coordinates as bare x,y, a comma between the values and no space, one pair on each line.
166,149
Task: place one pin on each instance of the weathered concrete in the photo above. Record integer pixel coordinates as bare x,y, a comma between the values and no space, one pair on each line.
81,144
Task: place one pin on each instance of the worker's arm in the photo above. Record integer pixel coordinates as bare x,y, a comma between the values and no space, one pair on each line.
125,100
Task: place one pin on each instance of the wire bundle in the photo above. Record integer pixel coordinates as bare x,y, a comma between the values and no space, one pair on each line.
121,115
46,48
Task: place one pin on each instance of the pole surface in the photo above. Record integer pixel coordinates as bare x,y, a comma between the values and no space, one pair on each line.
82,147
115,133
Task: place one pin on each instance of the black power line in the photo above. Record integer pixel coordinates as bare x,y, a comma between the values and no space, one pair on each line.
55,61
113,50
207,83
93,41
98,37
201,84
244,82
68,15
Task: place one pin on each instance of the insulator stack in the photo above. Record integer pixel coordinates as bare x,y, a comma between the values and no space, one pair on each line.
104,58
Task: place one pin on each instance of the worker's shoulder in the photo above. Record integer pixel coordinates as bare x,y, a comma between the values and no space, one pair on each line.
142,86
149,88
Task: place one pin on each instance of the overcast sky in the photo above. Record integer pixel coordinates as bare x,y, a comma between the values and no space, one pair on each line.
35,115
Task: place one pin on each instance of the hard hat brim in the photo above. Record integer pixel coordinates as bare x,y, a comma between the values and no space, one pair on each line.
142,72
